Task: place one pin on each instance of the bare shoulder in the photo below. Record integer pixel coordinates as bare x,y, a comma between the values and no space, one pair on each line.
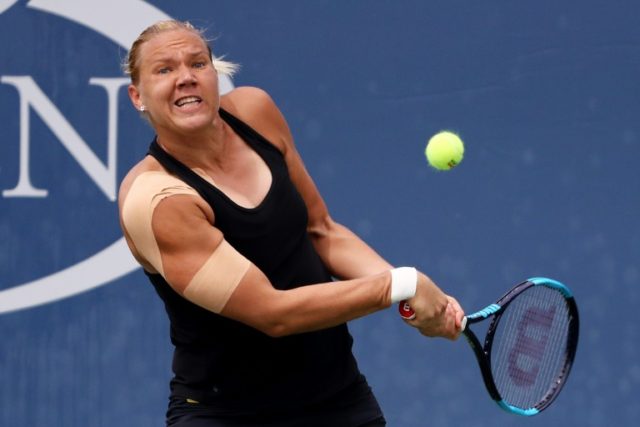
248,98
257,108
147,164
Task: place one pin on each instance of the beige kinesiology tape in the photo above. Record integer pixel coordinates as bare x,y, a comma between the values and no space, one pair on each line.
212,286
145,193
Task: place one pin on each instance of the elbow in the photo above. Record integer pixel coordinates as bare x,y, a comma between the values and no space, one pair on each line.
275,313
320,228
276,324
277,330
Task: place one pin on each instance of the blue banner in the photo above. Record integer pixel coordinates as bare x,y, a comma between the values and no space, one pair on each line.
545,95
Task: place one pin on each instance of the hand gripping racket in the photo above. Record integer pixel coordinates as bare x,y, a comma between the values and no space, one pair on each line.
529,346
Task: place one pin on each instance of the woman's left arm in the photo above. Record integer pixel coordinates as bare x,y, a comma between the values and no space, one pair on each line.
342,251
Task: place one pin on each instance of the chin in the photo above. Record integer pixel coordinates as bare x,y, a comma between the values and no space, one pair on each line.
195,123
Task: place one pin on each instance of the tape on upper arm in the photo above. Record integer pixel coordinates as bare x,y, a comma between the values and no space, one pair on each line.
146,191
212,286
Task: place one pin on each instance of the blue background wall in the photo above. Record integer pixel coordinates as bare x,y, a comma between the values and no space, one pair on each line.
545,95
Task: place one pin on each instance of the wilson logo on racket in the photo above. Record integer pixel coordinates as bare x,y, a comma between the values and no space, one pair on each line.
531,342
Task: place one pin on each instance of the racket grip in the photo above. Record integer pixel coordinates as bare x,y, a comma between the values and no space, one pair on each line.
406,312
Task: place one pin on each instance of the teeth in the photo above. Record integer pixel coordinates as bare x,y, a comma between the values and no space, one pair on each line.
182,101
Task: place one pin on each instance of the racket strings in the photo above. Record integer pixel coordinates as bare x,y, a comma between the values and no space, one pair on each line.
529,347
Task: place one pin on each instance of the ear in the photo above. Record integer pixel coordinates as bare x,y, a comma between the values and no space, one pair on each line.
134,95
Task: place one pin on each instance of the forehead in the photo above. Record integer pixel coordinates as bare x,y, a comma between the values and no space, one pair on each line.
171,42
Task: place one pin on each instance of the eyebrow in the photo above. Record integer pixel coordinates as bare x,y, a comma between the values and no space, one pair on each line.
169,58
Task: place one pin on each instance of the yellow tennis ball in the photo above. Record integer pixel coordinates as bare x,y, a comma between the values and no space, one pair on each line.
444,150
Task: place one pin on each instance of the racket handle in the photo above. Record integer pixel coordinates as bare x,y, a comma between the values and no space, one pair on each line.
406,312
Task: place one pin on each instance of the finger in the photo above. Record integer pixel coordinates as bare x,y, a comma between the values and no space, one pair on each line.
454,323
456,305
459,312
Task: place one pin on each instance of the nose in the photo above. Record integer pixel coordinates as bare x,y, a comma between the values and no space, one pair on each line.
186,77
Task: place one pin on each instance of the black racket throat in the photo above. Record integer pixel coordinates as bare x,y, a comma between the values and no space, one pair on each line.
482,357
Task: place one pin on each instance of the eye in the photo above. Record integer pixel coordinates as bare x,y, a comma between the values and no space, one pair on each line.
163,70
199,64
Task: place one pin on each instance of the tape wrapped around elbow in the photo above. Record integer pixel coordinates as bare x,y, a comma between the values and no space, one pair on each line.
403,283
212,286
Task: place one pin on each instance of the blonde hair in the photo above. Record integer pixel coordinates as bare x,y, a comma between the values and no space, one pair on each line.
131,67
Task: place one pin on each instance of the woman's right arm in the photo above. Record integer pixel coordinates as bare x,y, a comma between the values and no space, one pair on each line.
187,241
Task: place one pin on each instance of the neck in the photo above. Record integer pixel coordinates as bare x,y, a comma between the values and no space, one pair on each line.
203,149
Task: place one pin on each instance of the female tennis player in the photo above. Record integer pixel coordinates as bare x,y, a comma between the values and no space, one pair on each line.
257,279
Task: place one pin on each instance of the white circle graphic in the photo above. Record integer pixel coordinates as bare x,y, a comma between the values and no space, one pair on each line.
121,21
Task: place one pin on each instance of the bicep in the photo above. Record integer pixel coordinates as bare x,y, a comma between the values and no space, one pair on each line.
205,269
185,238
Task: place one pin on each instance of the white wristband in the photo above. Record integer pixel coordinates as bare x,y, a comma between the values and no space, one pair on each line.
403,283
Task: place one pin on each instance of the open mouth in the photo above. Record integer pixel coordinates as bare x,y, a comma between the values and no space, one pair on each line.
188,100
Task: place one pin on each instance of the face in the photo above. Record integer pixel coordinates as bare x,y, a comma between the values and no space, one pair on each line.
177,84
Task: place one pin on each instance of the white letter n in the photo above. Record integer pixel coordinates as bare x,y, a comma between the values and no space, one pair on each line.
32,95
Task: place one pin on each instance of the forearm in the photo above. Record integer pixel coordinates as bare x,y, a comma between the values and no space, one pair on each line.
307,308
344,253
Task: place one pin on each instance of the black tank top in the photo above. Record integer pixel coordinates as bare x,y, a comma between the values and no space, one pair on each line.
230,365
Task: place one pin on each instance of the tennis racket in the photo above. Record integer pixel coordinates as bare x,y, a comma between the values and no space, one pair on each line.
529,345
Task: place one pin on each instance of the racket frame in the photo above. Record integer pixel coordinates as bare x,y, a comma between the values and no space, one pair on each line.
482,351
